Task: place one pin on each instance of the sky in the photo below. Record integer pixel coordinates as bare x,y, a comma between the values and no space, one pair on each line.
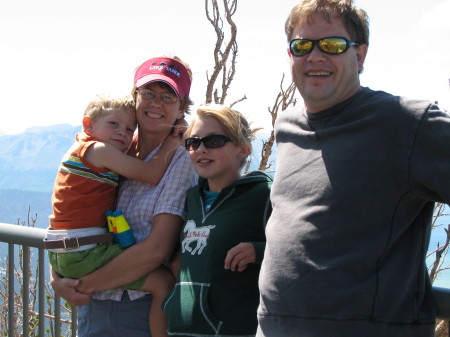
56,55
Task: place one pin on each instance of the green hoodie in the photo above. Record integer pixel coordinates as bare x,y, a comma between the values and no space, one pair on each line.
209,300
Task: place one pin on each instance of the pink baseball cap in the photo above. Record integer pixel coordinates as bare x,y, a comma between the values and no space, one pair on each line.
166,70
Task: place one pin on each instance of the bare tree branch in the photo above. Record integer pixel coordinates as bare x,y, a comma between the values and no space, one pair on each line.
238,100
284,99
225,52
440,252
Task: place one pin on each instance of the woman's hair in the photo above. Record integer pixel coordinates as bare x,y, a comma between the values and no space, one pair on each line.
103,105
187,101
354,19
233,123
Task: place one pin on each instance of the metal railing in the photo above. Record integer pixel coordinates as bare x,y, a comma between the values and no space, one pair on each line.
32,237
27,238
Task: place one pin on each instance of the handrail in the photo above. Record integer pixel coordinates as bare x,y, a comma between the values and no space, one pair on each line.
30,237
442,302
22,235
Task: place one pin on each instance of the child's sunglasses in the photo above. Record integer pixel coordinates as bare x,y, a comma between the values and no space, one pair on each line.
210,142
329,45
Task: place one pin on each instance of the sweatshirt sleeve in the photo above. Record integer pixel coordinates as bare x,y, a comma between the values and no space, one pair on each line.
430,160
260,246
259,249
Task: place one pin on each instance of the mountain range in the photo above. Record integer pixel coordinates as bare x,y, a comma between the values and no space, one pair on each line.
28,166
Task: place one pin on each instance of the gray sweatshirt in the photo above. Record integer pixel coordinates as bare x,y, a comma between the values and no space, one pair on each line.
353,198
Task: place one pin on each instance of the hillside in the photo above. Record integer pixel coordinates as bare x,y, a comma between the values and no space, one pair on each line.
28,161
16,206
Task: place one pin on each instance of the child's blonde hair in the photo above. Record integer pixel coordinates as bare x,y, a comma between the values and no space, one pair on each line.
232,121
104,105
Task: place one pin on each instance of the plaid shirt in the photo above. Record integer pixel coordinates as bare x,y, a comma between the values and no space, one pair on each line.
140,202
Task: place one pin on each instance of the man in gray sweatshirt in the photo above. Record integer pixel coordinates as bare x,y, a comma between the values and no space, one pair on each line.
358,172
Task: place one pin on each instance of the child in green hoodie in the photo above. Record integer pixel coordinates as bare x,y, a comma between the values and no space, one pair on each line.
223,240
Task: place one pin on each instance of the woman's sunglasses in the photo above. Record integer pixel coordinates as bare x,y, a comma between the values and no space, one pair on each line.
210,142
329,45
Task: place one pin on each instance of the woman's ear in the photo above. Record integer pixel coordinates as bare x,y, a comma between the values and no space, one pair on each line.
246,149
87,125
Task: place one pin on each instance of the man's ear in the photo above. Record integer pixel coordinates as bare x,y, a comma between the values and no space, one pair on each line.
87,125
361,54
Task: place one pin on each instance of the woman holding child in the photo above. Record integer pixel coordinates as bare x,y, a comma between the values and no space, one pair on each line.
154,213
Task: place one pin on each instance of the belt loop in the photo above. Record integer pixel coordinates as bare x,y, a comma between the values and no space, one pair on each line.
69,241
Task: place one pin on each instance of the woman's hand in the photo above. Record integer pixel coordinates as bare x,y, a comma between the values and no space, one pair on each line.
67,289
240,256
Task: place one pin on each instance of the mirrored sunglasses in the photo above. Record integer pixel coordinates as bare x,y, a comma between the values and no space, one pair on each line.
329,45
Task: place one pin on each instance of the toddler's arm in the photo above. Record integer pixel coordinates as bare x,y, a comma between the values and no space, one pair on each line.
107,156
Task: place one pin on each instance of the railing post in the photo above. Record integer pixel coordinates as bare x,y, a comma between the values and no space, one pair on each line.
41,285
57,315
74,321
11,310
26,291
